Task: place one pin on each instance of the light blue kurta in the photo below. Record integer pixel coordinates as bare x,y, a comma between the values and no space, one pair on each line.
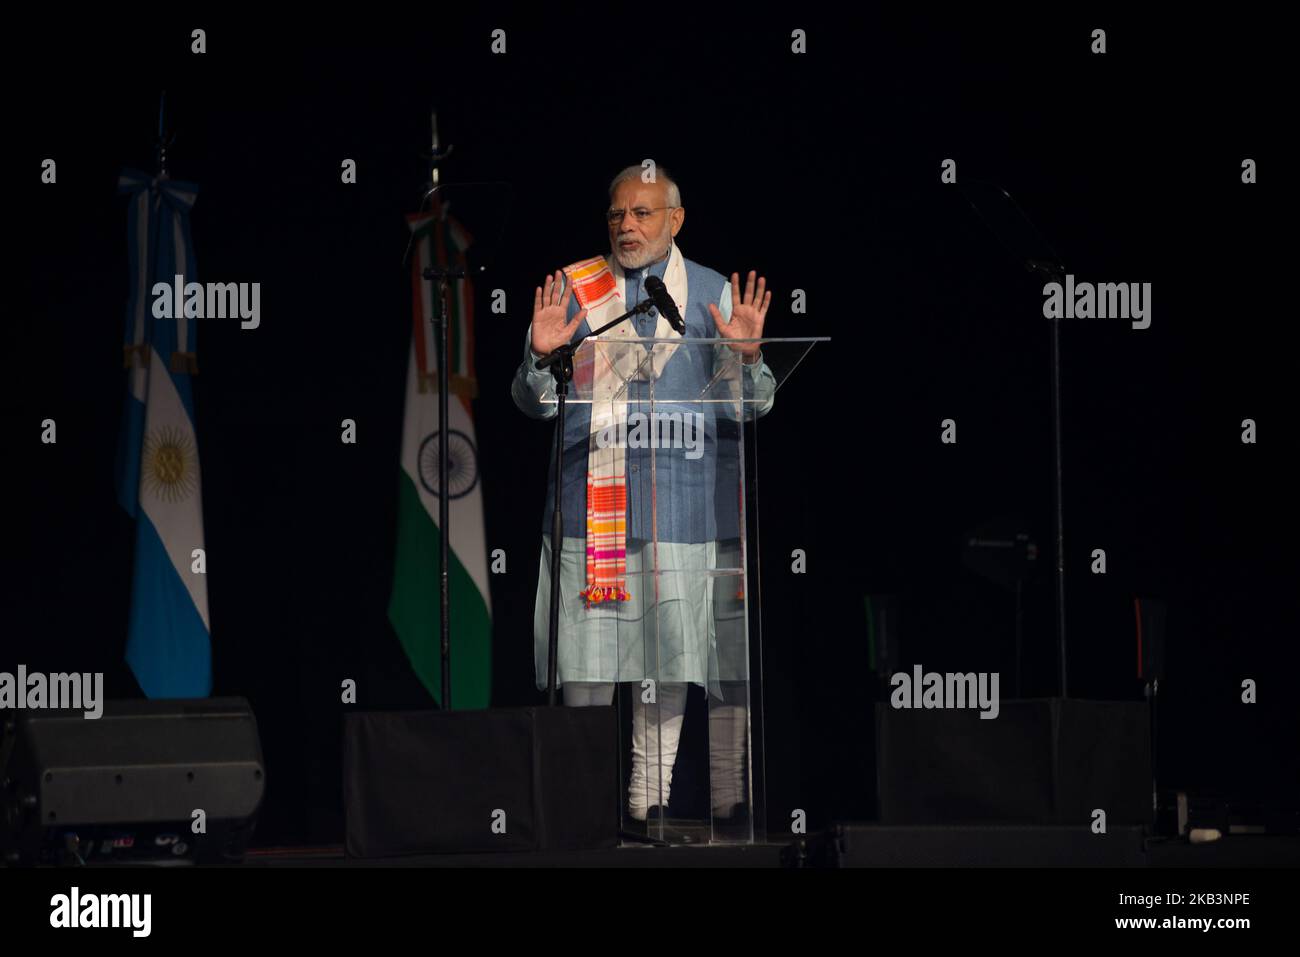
686,624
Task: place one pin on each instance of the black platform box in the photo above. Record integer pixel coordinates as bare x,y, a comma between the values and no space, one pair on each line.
427,782
1040,761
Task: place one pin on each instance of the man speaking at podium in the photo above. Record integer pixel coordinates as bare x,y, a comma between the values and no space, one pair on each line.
617,622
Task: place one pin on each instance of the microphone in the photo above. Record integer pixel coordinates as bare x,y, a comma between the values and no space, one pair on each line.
664,303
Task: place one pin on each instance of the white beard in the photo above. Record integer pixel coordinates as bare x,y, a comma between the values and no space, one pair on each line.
646,255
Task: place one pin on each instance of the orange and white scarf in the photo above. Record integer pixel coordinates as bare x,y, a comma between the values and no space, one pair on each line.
603,371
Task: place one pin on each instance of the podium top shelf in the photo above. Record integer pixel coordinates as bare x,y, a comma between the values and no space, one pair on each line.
684,370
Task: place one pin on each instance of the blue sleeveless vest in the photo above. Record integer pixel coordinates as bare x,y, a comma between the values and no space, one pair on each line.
697,499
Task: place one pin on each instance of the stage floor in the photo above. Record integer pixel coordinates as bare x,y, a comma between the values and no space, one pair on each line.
863,845
626,855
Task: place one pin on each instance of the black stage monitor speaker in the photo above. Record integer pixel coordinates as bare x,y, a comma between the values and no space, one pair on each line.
130,785
508,779
1040,761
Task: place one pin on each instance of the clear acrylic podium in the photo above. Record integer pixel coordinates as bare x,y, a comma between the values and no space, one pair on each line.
676,419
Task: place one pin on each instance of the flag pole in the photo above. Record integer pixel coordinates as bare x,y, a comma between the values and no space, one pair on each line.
163,141
438,273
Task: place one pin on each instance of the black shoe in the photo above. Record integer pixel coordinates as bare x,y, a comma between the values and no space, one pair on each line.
656,829
733,826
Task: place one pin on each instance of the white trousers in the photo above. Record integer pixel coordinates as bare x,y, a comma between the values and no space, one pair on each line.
655,736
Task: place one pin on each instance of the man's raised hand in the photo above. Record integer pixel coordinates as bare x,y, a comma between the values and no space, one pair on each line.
550,329
747,314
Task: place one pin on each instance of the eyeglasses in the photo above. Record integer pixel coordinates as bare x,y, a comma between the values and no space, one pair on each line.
642,213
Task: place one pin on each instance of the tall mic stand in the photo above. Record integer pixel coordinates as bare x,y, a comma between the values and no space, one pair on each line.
560,362
1012,227
1055,272
486,201
438,276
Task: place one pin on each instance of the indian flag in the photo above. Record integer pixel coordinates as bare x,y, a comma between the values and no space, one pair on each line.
414,606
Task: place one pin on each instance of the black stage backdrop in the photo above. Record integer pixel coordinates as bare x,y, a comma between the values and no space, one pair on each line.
820,170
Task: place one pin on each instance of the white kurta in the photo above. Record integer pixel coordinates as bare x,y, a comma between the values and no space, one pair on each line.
685,624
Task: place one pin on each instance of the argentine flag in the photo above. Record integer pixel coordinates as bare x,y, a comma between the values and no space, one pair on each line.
168,647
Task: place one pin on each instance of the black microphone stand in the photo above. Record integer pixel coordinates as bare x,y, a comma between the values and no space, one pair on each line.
1055,272
560,362
1021,238
438,276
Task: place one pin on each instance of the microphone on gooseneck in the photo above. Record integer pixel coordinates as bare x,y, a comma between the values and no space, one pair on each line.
664,303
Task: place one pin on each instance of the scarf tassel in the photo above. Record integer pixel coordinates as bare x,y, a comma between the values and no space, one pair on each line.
595,594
